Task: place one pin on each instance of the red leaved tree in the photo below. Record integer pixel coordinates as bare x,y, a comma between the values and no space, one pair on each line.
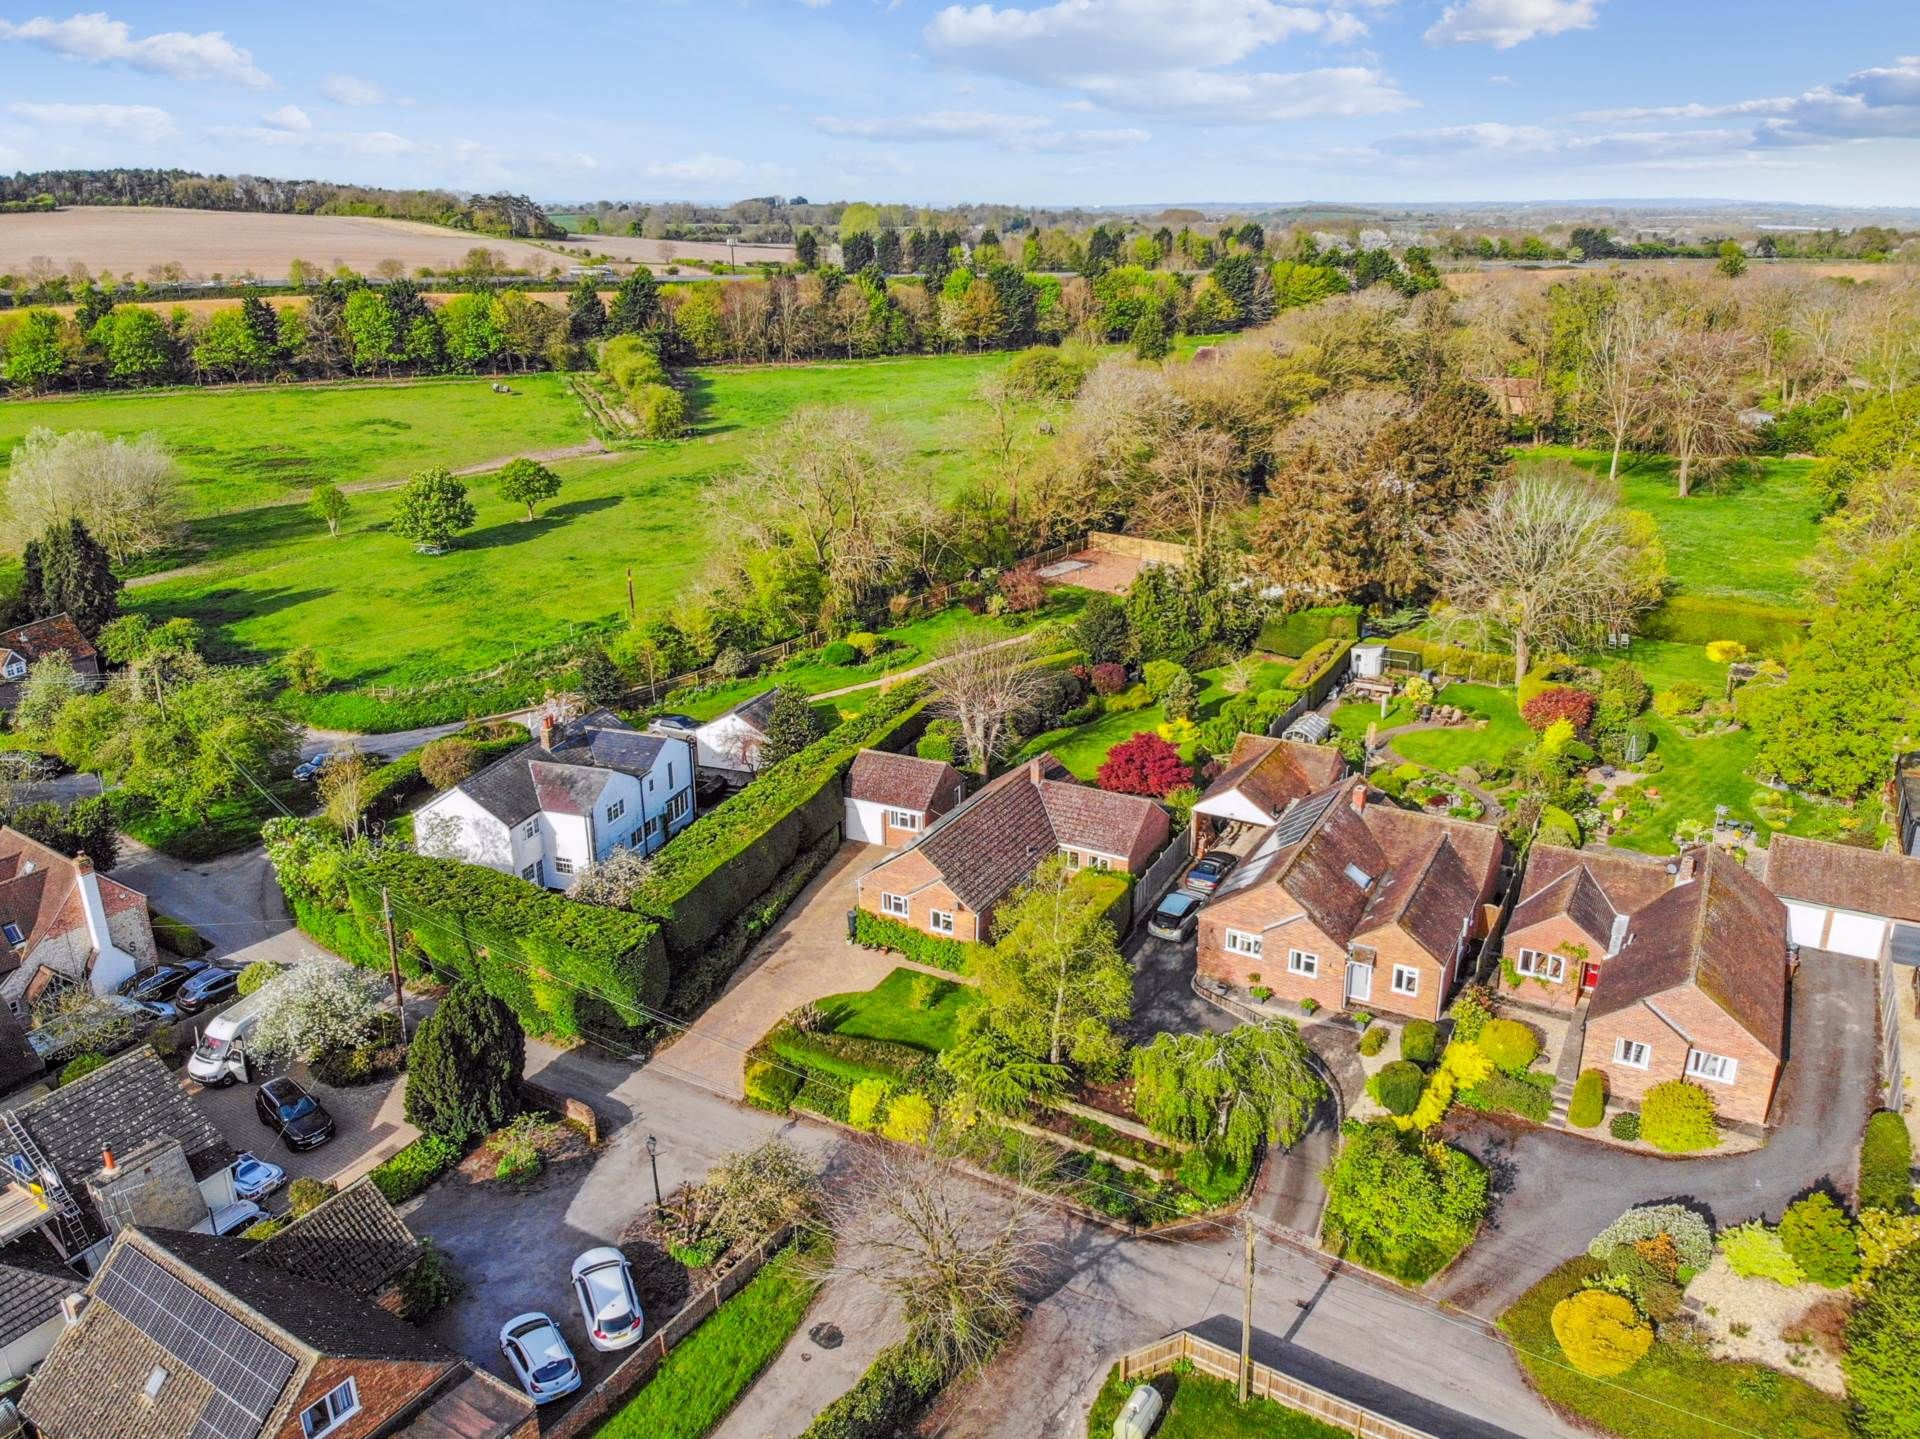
1145,764
1561,702
1109,679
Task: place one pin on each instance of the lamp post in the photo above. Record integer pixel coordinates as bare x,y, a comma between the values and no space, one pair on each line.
653,1158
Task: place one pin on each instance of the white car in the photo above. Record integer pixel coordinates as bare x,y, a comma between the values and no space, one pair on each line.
539,1357
232,1218
254,1178
603,1284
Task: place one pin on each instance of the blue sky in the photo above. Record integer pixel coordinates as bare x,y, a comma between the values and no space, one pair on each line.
1077,101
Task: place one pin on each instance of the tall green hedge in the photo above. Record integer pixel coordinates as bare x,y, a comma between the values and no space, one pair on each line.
1701,619
1296,633
879,931
1886,1164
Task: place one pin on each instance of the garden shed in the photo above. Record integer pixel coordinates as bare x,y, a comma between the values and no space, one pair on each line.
1310,728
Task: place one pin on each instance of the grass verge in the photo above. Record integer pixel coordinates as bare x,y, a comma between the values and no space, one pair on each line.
1201,1407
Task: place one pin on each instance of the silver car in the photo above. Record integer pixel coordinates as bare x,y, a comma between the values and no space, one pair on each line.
603,1284
538,1355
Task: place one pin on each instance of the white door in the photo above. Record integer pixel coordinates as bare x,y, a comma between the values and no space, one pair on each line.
1806,924
1856,934
1359,981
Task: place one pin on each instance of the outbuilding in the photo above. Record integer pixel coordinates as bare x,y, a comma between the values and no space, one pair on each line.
892,798
1847,900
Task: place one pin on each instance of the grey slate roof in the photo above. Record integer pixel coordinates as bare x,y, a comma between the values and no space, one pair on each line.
353,1241
757,711
120,1106
512,788
30,1294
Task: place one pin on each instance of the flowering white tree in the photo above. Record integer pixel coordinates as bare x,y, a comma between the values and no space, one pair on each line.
610,882
320,1006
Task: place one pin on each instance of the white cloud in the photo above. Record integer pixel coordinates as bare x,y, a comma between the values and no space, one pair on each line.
1012,132
1080,142
1879,103
99,39
1502,80
351,90
1688,112
1506,23
1542,143
145,122
1231,97
287,117
697,169
326,142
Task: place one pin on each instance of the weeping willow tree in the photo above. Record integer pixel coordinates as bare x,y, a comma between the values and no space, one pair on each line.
1234,1091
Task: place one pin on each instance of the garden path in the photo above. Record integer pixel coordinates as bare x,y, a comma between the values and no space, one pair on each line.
1384,738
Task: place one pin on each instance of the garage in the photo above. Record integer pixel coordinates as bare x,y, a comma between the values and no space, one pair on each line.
1843,899
1905,948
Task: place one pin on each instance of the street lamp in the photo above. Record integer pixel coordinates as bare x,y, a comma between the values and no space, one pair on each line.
653,1157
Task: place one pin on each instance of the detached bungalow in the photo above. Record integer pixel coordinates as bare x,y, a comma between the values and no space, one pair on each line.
892,798
948,881
1572,917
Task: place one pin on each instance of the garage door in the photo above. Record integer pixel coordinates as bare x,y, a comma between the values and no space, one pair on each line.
1906,943
863,823
1806,924
1856,934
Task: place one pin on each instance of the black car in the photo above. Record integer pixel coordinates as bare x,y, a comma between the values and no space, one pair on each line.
1177,916
212,985
301,1121
1205,876
164,982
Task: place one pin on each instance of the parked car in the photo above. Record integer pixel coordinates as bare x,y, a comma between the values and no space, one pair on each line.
1176,917
538,1355
153,1012
1205,877
603,1284
301,1121
161,983
232,1218
212,985
308,770
254,1178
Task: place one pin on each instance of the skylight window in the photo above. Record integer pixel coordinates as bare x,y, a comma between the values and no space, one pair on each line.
1359,876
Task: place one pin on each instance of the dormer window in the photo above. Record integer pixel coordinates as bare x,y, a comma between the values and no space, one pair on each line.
16,668
1359,876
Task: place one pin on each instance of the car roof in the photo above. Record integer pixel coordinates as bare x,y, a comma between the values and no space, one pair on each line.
284,1085
1179,902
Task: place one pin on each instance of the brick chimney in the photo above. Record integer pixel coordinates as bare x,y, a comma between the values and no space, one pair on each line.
1034,771
1358,796
547,730
155,1187
1688,867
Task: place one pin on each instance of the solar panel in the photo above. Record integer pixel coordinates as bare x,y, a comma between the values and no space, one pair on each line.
1301,816
246,1371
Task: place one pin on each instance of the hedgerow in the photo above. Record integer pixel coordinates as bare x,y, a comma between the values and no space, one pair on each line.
879,931
1886,1163
1298,632
849,1058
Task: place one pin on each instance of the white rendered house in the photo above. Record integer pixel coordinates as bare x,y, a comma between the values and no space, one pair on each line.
564,801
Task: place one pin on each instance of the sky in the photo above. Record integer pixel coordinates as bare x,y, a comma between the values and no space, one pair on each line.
1071,102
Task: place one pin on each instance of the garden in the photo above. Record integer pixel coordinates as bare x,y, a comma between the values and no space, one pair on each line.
1198,1406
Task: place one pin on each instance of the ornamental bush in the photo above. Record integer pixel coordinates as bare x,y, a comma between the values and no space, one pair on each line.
1601,1334
1398,1086
1684,698
260,972
1420,1041
909,1120
1471,1011
866,1102
464,1068
1509,1094
1373,1041
838,653
1145,765
1754,1251
1692,1236
1109,678
1884,1237
770,1085
1678,1117
1511,1045
1886,1164
1561,702
1589,1104
1820,1237
1625,1126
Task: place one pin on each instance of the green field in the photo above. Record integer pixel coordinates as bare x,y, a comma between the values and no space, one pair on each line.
888,1011
260,444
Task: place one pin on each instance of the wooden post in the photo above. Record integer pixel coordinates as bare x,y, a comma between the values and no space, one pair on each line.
393,962
630,614
1246,1318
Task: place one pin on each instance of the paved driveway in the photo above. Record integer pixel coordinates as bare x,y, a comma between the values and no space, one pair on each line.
1163,997
370,1127
1556,1190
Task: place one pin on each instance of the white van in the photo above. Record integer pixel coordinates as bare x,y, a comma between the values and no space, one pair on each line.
220,1047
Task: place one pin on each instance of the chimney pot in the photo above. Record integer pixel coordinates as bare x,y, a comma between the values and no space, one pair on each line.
107,1161
547,728
82,863
1359,797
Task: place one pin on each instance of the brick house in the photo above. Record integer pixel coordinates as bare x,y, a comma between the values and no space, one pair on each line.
187,1336
948,881
1353,903
25,645
61,922
1572,916
893,798
1261,778
1697,990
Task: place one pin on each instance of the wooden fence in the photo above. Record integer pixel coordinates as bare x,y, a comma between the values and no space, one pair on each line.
648,693
1891,995
1160,875
1268,1383
593,1407
1158,552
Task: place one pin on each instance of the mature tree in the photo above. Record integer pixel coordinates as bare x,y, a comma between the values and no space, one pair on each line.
586,315
66,571
1696,401
464,1067
1545,561
996,1073
36,351
345,786
1881,507
1054,980
126,491
1198,480
1616,368
1255,1084
980,682
374,338
636,305
432,509
445,762
806,249
527,482
791,726
329,502
1144,764
1101,629
1883,1334
600,681
1399,1203
318,1007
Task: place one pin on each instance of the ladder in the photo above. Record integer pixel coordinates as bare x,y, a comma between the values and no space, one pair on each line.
68,1224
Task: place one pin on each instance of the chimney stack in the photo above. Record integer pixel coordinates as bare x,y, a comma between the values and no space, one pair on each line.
1689,863
1034,771
547,728
1359,797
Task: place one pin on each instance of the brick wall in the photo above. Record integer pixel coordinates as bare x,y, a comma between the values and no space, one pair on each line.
912,874
1710,1027
386,1387
1555,935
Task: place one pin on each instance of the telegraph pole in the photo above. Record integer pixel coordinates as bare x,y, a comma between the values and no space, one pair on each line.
393,962
1246,1318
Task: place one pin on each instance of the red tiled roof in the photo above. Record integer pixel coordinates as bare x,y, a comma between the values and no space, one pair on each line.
1841,876
39,892
1272,773
39,638
902,780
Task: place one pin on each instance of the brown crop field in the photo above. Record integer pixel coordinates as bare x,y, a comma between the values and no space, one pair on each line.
662,252
206,243
1463,282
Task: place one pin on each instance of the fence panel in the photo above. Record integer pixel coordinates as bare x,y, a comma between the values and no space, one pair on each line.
1161,874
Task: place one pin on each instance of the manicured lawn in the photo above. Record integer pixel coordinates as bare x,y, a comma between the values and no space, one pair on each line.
887,1011
1353,719
271,443
1673,1393
700,1381
1201,1407
1698,775
1743,539
1448,749
1665,663
1083,749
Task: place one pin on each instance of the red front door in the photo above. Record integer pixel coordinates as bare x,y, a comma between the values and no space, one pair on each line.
1589,976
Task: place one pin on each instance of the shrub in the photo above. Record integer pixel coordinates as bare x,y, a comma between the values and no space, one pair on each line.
880,931
464,1067
1684,698
1601,1334
445,762
415,1167
1884,1237
838,653
1625,1125
1213,1176
265,1229
659,411
255,975
177,935
1373,1041
1471,1010
1316,661
1886,1163
1561,702
886,1401
1821,1239
866,1101
1511,1045
865,643
850,1058
1420,1041
1692,1236
1108,679
1726,652
909,1119
1678,1117
306,1195
1398,1086
1403,1206
429,1286
1509,1094
1755,1252
770,1086
1144,765
1882,1338
941,741
924,991
80,1066
1589,1104
1159,676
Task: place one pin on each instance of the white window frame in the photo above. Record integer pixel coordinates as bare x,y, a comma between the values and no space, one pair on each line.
903,819
1411,976
532,828
332,1415
16,668
531,872
1717,1068
1625,1050
896,905
1303,962
940,921
615,810
1238,941
562,866
679,804
1537,964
